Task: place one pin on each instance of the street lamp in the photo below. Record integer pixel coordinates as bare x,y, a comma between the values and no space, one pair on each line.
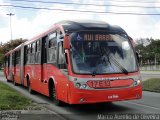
10,14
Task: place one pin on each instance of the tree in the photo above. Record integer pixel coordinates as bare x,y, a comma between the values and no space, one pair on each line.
150,52
6,47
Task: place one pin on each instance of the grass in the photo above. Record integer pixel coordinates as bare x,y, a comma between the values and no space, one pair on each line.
152,85
10,99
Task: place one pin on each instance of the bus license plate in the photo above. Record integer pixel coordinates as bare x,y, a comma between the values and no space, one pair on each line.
99,83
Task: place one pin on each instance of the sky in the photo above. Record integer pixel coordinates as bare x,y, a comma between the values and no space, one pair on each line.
27,23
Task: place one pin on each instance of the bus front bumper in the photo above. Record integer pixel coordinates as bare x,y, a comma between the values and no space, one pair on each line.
79,96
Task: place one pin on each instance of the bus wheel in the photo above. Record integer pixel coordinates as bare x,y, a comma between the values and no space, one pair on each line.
53,96
56,101
29,87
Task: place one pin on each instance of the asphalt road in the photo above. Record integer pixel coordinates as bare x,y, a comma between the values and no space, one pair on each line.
149,104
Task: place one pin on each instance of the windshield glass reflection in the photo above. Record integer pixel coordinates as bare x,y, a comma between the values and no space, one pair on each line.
101,57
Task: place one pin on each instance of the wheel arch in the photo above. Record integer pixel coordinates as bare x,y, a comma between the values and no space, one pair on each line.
52,83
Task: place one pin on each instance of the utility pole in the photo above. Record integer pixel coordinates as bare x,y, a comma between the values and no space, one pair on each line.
10,15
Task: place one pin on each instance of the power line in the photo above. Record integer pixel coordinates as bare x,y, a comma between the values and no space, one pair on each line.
82,11
120,1
90,4
133,1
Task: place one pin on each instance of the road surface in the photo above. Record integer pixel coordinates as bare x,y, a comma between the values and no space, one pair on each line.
149,74
149,104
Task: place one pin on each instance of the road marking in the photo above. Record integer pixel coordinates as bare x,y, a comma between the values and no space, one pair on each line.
143,105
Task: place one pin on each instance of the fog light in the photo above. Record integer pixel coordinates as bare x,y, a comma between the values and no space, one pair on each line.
84,86
81,100
78,85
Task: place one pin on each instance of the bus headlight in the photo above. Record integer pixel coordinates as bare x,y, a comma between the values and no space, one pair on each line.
78,85
137,82
84,86
81,85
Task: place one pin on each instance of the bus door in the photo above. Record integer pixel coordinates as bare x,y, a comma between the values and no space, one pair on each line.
37,66
61,63
10,67
13,66
7,67
17,66
64,85
43,65
22,65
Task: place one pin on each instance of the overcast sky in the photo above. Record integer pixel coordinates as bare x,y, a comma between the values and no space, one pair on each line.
26,23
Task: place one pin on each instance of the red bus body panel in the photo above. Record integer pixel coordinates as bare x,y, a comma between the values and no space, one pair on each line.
118,91
40,74
95,96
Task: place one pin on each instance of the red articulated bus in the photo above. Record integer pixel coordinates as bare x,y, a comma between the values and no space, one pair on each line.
77,62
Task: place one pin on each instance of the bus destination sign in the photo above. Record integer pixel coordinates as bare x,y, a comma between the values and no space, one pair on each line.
97,37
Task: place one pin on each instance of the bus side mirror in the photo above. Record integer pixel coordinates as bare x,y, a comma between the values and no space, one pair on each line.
66,43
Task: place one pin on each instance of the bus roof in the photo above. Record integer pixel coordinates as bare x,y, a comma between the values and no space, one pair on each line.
68,26
71,26
17,48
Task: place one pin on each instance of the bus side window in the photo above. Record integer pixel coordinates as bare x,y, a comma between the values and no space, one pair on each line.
61,56
38,52
8,60
17,58
4,63
27,54
52,47
13,59
33,45
43,49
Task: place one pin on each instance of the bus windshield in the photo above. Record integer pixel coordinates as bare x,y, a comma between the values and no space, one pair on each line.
101,53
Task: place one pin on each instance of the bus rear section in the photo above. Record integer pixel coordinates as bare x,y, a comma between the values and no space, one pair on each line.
102,67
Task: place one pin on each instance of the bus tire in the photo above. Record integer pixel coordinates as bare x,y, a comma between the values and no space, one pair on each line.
29,86
52,94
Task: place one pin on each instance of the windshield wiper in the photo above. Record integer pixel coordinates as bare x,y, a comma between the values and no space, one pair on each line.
94,73
119,65
115,62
